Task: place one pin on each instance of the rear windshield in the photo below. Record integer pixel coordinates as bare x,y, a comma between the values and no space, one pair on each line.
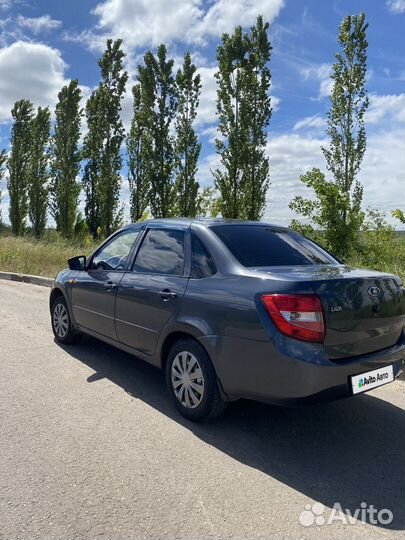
258,245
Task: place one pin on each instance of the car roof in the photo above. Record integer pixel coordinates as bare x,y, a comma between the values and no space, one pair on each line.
205,222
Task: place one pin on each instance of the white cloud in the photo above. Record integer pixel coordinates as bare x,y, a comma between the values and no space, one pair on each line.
291,155
310,122
383,171
207,107
32,71
36,25
205,168
5,4
223,15
389,107
396,6
275,103
211,132
319,73
142,23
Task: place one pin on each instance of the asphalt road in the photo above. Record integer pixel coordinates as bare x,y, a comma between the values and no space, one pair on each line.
91,449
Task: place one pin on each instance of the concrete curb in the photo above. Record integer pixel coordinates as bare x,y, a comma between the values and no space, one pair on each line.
26,278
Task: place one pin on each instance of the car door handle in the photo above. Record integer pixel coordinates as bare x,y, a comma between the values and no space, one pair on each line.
110,285
166,294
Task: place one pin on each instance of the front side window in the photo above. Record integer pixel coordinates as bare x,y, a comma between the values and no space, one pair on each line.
261,245
202,263
161,252
113,256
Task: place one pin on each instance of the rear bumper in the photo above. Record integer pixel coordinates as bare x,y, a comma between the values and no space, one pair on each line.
258,370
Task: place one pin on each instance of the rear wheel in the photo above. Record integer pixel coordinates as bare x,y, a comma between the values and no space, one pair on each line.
192,382
61,323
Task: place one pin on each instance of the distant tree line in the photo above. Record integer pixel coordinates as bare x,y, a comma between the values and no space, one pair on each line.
49,167
49,171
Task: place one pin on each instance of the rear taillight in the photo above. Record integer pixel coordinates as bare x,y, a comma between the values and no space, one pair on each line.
296,315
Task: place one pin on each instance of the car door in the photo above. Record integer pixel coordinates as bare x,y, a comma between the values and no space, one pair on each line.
150,292
94,290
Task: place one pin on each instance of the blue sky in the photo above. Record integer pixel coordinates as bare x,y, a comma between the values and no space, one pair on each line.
44,43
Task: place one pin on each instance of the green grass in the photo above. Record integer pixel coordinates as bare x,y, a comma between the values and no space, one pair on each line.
45,257
382,252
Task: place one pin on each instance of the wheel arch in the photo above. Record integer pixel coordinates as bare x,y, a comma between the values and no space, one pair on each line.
176,335
170,340
60,292
55,293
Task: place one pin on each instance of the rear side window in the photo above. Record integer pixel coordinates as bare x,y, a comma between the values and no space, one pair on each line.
259,245
202,263
161,252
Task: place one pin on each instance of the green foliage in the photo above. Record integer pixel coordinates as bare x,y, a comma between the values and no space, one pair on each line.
336,209
38,174
159,104
328,212
244,112
65,161
102,144
139,150
3,159
187,146
207,204
18,164
380,247
398,214
92,168
258,103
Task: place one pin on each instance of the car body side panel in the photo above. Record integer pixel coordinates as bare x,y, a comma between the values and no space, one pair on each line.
93,303
140,311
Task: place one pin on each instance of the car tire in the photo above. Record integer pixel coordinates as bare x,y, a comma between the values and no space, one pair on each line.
61,322
192,382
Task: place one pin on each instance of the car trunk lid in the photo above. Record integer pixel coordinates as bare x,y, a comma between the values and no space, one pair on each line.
364,310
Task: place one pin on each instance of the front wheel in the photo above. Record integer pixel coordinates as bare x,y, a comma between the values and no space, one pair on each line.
192,382
61,323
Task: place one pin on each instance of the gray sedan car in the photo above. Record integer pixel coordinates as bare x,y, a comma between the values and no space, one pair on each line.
235,309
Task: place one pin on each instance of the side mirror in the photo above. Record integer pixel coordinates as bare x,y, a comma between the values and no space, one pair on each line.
77,263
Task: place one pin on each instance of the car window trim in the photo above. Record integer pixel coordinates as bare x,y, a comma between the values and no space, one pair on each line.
187,251
111,239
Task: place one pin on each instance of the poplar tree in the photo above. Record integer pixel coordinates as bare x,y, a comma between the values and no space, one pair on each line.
244,112
160,105
3,159
187,146
38,174
255,177
65,162
102,145
92,148
18,164
139,152
336,209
